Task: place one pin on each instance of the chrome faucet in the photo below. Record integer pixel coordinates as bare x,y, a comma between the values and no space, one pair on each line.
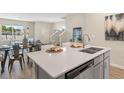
83,39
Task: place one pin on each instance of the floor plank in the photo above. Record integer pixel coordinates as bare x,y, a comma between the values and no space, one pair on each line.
16,73
116,73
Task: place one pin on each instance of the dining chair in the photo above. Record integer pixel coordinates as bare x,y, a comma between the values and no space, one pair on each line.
38,45
15,56
1,60
21,52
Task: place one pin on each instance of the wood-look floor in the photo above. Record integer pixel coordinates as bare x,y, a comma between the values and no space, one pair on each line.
116,73
29,73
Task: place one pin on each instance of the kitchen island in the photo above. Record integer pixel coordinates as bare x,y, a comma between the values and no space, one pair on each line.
60,65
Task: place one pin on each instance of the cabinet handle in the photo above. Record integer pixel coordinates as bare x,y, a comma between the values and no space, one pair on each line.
85,68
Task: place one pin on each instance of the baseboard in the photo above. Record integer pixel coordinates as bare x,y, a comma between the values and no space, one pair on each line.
118,66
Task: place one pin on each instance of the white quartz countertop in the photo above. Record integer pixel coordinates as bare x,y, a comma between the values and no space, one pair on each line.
56,64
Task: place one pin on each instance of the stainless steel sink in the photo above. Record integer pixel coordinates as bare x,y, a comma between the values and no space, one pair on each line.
91,50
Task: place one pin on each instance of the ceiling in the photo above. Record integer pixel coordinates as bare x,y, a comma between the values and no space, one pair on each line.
35,17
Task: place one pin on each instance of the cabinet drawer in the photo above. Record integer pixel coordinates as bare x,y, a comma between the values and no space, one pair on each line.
107,54
98,59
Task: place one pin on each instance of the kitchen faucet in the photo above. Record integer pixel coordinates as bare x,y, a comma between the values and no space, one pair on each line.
83,39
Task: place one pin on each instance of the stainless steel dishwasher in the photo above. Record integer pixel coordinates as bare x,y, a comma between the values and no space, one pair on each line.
84,71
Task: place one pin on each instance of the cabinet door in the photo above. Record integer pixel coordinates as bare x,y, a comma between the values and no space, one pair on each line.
98,71
106,67
98,59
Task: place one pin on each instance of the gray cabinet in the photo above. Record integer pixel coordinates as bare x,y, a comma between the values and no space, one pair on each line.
98,67
98,71
106,68
41,74
98,59
101,66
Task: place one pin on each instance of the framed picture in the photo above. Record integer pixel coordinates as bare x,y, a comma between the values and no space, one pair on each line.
114,27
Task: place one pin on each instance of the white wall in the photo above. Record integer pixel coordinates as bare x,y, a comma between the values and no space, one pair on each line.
58,25
93,24
42,31
23,23
74,20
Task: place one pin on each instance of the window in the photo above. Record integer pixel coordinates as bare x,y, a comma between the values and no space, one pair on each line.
11,31
77,34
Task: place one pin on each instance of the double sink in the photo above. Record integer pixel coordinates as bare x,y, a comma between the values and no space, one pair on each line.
91,50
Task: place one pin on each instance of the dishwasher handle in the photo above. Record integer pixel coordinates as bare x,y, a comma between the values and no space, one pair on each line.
85,68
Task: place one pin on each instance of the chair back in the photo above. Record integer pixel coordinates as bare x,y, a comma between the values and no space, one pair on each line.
16,50
38,45
37,48
2,54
